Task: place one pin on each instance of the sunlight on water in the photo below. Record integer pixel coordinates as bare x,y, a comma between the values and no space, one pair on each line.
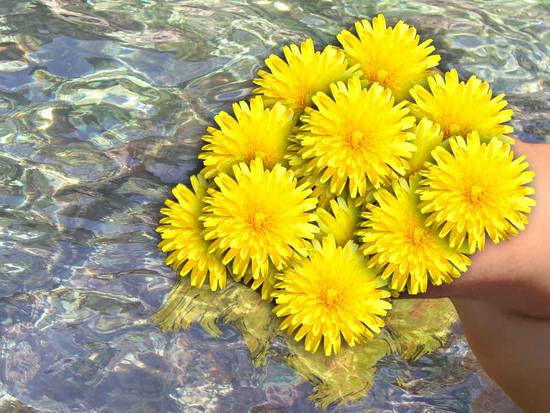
102,106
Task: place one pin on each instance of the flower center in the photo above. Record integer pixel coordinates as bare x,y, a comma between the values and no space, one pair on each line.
475,194
383,77
303,97
355,139
416,235
453,129
258,221
330,297
255,152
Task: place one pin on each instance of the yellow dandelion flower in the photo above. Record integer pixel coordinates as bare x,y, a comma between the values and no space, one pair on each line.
401,247
357,139
329,295
391,56
428,136
259,217
304,73
182,236
476,188
340,222
462,107
254,132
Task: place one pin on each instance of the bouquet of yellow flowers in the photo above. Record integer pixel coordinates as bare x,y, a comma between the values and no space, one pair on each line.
355,173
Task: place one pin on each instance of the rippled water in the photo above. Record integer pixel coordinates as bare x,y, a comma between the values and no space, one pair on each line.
102,106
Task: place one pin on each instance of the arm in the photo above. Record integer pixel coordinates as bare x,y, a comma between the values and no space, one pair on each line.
504,300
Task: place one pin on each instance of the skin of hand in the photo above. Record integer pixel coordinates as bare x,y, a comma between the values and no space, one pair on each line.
503,300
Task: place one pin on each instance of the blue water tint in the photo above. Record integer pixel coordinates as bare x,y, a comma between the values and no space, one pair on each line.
102,106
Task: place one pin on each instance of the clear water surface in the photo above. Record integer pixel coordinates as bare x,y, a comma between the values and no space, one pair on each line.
102,105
